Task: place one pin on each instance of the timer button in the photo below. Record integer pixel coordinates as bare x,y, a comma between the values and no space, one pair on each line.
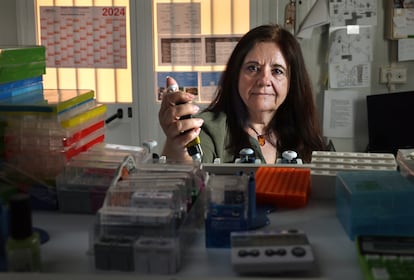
281,252
254,253
243,253
298,251
271,252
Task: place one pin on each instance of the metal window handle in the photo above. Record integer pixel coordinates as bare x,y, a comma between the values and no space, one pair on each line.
118,115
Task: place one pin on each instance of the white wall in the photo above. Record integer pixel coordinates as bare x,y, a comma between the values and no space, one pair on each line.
315,50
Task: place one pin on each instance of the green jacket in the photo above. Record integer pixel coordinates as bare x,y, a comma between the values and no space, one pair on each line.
214,139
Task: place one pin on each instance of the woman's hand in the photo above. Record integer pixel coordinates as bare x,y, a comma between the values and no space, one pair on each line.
179,130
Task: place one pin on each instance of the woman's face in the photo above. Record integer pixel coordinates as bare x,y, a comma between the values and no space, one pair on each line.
263,79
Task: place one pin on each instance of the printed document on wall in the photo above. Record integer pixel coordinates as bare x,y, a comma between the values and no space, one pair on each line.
350,56
339,113
405,49
363,12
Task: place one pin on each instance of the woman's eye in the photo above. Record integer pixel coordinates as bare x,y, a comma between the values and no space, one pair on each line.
253,68
278,72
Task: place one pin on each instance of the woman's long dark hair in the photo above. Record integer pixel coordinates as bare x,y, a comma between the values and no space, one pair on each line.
295,123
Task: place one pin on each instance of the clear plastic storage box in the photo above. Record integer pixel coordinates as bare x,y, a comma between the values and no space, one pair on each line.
148,219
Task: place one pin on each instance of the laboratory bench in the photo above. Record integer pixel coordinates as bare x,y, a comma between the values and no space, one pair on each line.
67,253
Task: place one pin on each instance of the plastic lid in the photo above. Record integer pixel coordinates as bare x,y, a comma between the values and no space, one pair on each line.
196,157
20,216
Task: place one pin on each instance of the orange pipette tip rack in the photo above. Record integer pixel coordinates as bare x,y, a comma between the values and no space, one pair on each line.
283,187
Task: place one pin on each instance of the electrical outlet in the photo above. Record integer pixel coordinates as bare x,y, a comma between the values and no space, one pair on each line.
393,75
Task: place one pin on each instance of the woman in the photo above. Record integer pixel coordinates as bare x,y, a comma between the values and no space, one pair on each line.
264,101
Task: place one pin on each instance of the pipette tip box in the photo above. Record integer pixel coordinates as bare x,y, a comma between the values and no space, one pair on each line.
375,203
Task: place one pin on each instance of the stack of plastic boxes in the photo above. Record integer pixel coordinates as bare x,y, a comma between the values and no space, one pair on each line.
40,138
148,218
21,70
44,129
21,62
82,185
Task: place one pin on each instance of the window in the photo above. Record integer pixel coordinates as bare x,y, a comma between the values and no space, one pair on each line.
88,43
194,39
